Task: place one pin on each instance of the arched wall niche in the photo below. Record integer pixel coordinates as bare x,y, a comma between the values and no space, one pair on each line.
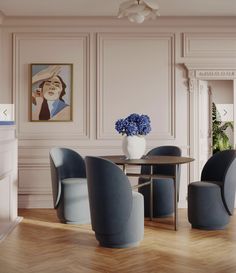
196,73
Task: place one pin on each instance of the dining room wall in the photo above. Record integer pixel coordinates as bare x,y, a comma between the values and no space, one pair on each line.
118,68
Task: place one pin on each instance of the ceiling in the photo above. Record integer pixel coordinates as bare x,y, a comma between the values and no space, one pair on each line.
110,7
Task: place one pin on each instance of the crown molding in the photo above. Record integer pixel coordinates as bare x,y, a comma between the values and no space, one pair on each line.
210,66
104,21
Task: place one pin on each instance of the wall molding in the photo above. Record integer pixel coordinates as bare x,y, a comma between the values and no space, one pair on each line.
35,191
82,132
211,71
35,201
2,17
111,21
217,74
167,37
215,45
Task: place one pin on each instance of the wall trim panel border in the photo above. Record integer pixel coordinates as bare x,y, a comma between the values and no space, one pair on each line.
170,38
215,45
82,131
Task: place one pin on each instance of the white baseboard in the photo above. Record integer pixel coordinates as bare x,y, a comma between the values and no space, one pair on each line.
7,227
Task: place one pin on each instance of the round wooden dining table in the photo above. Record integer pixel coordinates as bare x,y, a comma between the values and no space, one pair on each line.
153,160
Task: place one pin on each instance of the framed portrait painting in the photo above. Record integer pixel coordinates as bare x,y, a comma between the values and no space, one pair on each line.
51,92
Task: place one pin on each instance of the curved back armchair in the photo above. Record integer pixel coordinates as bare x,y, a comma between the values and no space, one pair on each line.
211,200
117,215
221,167
163,189
69,185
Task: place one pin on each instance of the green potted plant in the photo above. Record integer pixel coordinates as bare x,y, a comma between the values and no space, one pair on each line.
220,139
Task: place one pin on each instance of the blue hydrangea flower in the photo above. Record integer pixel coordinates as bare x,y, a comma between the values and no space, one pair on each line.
134,124
131,129
144,125
133,118
119,126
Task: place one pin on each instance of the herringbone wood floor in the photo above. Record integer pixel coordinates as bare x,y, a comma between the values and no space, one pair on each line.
41,244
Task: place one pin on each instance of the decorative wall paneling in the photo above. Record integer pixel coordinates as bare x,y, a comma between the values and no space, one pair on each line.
215,45
133,71
51,48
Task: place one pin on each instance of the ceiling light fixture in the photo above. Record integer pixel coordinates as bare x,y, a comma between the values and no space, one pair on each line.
139,10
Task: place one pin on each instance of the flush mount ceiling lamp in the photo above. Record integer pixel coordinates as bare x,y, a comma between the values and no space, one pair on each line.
139,10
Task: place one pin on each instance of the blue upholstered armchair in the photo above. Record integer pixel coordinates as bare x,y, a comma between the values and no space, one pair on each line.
117,213
211,200
163,189
69,186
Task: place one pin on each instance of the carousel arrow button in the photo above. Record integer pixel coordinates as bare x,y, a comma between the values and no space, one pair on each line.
6,112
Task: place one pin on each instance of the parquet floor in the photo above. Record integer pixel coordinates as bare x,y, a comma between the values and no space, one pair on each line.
39,244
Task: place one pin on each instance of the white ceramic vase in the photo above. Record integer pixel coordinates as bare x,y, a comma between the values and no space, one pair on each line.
134,147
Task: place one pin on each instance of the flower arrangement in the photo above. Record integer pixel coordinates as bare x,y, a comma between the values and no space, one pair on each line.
133,125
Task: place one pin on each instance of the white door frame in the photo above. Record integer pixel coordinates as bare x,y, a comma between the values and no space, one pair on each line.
205,126
197,72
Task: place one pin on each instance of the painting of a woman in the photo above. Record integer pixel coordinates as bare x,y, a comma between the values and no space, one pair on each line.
50,93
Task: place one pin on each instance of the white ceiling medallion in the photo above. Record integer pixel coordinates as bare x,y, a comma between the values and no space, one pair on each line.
139,10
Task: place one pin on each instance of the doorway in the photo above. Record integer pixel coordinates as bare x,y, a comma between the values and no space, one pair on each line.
206,77
223,122
216,100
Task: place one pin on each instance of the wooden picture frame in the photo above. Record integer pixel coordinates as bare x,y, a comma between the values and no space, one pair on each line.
51,92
